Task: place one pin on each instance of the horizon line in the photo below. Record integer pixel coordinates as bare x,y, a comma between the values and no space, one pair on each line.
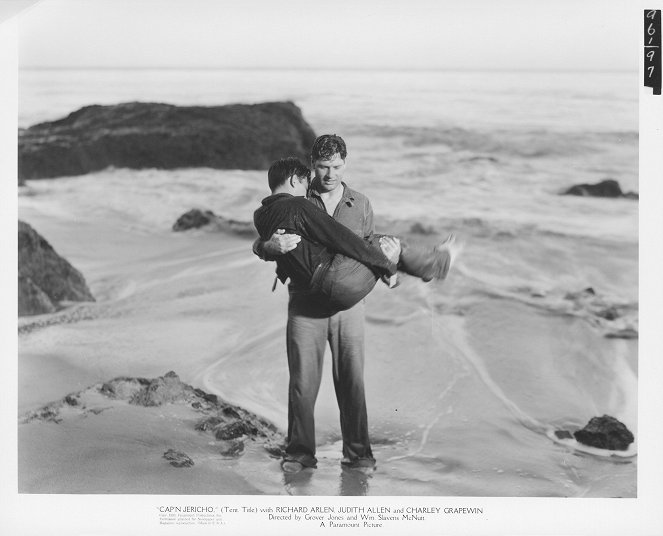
371,69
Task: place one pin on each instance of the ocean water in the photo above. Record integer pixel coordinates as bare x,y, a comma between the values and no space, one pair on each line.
465,380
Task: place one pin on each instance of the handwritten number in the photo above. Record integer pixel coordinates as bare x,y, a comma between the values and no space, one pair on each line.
652,61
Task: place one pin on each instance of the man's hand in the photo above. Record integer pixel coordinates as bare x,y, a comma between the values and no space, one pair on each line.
280,243
391,247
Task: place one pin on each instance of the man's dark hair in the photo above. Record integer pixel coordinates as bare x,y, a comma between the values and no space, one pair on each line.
326,146
281,170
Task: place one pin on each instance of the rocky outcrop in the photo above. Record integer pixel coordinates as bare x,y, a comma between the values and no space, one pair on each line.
229,425
45,279
31,299
153,135
196,218
605,432
605,188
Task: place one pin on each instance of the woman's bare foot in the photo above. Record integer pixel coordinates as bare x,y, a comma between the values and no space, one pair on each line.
452,246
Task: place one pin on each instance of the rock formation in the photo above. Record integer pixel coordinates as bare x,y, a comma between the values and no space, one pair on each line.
196,218
605,433
605,188
44,278
193,219
153,135
229,425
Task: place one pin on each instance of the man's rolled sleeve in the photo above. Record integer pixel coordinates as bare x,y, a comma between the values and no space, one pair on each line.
369,224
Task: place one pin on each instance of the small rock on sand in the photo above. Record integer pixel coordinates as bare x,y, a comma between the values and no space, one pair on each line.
605,432
177,458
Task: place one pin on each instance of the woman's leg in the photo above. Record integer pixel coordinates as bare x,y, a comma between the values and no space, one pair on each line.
346,281
427,262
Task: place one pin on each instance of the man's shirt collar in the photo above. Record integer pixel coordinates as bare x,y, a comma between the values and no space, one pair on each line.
348,198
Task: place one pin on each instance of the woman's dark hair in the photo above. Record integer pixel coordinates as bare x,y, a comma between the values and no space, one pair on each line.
281,170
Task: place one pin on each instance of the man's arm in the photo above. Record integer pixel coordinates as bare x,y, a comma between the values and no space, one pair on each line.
278,244
319,227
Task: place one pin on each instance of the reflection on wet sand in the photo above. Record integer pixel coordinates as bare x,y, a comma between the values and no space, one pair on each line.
352,482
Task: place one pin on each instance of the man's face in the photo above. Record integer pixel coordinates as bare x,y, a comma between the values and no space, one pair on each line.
329,173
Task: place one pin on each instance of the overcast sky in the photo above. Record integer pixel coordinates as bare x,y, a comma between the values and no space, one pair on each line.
419,34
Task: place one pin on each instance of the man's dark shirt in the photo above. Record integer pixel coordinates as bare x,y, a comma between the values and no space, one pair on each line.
320,233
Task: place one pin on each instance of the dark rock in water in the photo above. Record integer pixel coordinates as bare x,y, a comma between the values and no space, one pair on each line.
605,433
236,429
193,219
609,313
626,333
418,228
606,188
232,448
31,299
141,135
44,278
71,400
196,218
177,458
